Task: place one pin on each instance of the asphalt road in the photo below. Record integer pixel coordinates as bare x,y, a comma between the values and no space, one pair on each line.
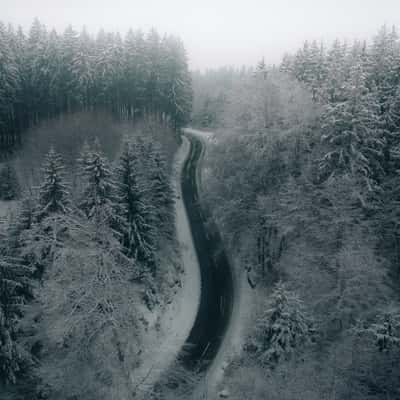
216,297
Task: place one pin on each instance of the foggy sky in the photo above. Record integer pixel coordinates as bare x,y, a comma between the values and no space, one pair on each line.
217,32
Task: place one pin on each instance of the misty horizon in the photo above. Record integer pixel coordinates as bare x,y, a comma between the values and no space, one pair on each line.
222,34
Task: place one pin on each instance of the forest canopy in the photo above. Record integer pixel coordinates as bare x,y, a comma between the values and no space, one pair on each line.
44,74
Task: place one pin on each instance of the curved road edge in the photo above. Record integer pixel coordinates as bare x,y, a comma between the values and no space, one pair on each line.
242,302
216,298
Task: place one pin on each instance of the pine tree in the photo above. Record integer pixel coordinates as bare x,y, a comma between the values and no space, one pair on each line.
82,69
386,331
284,328
336,73
177,88
384,65
9,86
53,193
352,128
37,69
161,192
69,80
287,64
97,200
136,216
261,69
14,291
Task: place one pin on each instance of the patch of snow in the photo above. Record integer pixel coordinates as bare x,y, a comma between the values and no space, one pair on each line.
224,394
207,136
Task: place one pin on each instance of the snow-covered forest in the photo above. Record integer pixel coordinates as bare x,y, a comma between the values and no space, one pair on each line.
88,253
302,178
175,234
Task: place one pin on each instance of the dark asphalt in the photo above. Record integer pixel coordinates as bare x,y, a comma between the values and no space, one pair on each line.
216,278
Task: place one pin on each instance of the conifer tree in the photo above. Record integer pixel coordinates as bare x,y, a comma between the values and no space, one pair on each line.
162,194
14,290
53,192
97,200
284,328
136,217
353,130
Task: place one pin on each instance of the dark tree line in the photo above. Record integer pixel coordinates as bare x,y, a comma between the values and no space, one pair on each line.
45,74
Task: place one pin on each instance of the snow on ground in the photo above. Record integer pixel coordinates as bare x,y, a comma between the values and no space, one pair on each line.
209,136
177,318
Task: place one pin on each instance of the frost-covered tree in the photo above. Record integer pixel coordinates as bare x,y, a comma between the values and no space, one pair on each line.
97,198
386,331
161,192
82,68
384,64
87,311
136,216
45,74
14,290
284,328
353,130
53,192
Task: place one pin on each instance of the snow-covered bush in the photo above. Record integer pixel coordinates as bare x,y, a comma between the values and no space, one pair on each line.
385,332
284,327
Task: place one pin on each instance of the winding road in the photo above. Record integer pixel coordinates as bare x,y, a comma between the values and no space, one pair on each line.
216,296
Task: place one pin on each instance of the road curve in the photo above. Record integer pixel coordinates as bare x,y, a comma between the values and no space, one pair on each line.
216,296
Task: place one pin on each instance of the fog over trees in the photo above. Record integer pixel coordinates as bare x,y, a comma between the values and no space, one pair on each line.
308,214
286,175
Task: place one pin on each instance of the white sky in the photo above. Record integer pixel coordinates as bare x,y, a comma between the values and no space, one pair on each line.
219,32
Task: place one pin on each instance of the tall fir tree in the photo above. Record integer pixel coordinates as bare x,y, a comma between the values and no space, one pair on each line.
53,192
284,328
162,193
98,191
136,217
353,130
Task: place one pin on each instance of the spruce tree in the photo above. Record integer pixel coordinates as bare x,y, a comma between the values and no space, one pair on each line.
97,200
136,217
284,327
335,73
161,192
352,128
53,192
15,288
